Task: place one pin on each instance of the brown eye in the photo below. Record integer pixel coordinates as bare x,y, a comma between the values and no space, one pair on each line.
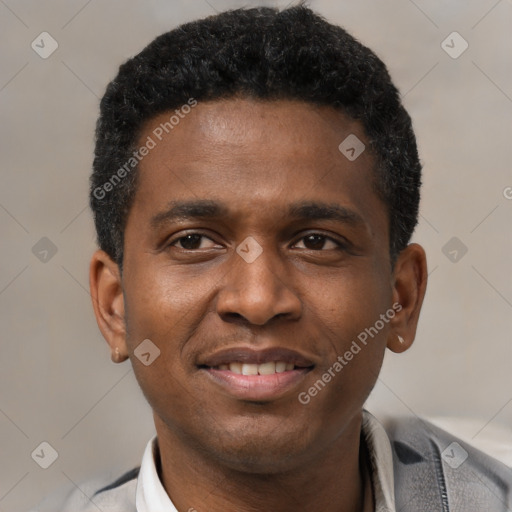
193,241
317,242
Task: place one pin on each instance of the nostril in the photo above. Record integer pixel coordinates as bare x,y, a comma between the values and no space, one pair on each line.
232,317
239,319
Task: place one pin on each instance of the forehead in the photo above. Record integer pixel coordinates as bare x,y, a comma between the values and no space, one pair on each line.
258,155
291,129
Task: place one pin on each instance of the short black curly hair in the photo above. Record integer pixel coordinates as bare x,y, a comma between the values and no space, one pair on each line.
260,53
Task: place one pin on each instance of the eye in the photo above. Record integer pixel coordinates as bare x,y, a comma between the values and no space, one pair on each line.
317,242
192,242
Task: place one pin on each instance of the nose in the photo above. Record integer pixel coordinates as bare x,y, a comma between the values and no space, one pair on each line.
257,292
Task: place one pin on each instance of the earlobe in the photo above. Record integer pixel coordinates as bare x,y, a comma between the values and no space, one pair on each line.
409,286
398,344
116,356
108,303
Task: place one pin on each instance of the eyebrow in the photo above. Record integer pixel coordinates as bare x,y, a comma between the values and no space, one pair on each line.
312,210
188,210
305,210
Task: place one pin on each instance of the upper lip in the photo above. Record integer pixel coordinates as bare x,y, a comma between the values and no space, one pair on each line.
252,356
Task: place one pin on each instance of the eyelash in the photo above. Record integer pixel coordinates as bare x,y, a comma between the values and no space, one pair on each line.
340,245
182,237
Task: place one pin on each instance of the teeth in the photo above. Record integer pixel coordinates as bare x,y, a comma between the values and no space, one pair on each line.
280,367
258,369
236,368
267,368
249,369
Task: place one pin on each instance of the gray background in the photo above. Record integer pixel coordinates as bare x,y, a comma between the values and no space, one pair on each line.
57,383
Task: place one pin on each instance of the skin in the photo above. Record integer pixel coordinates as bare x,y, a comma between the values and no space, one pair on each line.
314,295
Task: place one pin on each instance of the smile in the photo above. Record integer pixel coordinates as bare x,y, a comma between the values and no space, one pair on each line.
250,375
257,369
257,387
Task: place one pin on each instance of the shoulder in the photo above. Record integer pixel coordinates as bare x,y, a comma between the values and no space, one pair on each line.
433,466
108,493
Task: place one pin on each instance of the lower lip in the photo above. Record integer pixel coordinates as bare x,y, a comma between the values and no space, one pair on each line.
258,387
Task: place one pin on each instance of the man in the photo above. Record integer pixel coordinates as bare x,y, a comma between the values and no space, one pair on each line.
255,187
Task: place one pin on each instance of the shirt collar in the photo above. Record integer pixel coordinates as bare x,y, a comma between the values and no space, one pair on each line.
381,461
151,495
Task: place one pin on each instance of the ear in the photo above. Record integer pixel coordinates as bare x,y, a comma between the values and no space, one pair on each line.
108,303
409,286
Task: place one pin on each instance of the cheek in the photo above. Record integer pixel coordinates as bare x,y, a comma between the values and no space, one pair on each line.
169,394
351,313
342,385
158,312
349,301
165,310
164,304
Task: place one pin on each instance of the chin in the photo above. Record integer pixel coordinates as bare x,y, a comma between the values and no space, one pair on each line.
259,450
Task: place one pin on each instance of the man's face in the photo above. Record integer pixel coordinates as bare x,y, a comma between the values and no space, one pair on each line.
253,239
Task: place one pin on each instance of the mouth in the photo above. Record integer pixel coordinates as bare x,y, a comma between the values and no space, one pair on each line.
250,375
269,368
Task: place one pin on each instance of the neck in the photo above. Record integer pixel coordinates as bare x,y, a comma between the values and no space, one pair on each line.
333,480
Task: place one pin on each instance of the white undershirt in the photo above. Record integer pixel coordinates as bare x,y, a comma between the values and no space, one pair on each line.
151,495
